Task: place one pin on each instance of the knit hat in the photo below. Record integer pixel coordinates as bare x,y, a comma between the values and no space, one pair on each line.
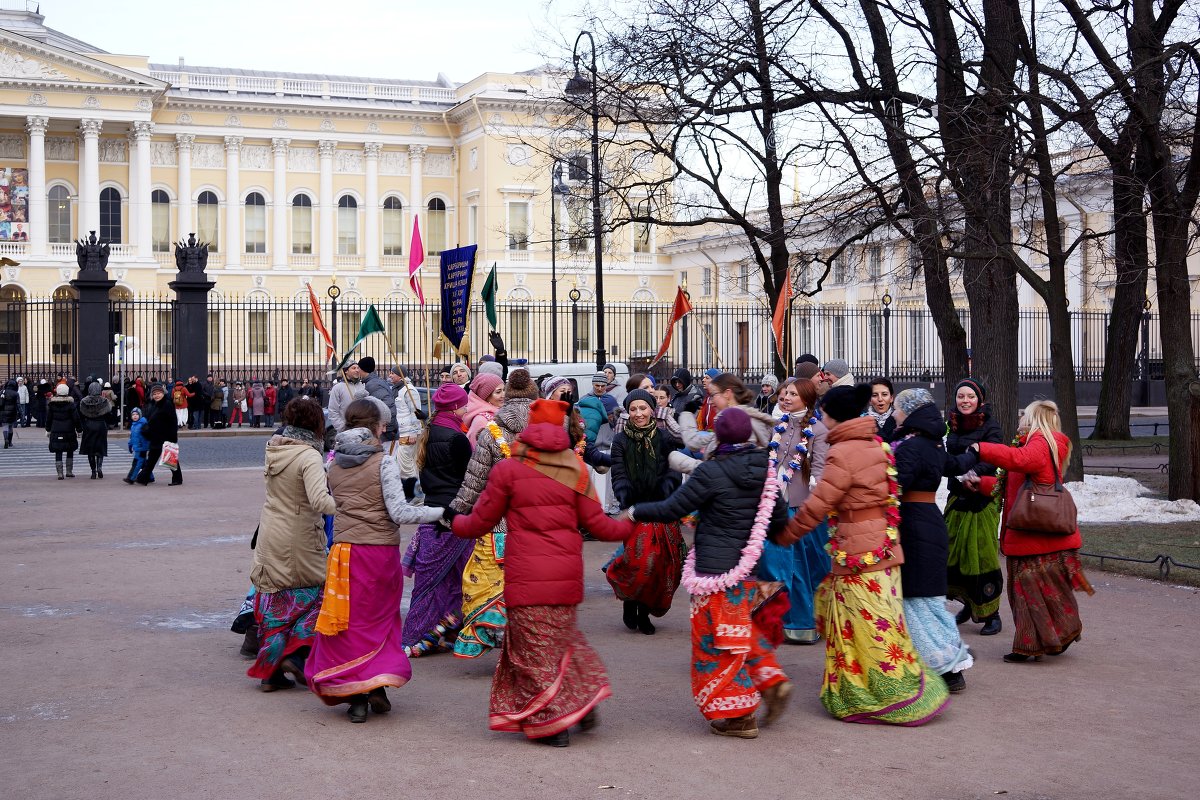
464,366
397,370
770,380
846,402
712,372
808,358
520,384
553,412
910,400
733,426
107,385
552,384
449,397
61,390
135,410
613,367
639,394
94,389
974,386
484,384
600,377
491,368
366,364
806,369
159,387
837,367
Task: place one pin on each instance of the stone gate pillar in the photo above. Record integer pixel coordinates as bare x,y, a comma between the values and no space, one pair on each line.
94,339
191,287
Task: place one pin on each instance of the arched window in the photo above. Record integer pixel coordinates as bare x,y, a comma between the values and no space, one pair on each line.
393,227
435,236
302,229
256,223
160,221
207,216
347,226
110,215
60,214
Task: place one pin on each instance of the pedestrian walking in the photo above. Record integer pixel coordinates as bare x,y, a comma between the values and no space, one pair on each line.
22,402
270,395
162,426
180,397
257,400
547,678
139,445
237,404
62,422
408,428
10,410
93,424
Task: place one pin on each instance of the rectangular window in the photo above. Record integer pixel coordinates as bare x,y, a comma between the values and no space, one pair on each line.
518,323
214,333
207,215
838,270
397,332
583,341
579,213
874,263
744,279
258,332
302,230
518,226
160,224
706,282
10,329
803,328
64,329
393,232
473,224
577,167
709,357
436,242
348,325
256,229
916,340
347,231
643,332
304,335
165,332
838,325
875,337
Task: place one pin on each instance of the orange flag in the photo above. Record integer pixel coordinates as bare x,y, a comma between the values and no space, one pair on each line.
319,324
682,309
780,316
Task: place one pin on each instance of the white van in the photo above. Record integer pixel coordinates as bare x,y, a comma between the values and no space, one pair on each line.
579,373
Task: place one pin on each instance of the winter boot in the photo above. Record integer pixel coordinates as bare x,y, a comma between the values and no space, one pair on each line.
70,466
100,467
7,439
58,467
92,465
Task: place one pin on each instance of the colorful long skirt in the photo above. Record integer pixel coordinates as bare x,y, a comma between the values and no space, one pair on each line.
973,574
483,597
935,635
548,677
287,621
873,673
438,560
649,569
800,567
368,653
732,662
1041,594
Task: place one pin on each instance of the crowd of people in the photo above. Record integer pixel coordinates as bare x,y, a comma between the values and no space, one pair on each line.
813,504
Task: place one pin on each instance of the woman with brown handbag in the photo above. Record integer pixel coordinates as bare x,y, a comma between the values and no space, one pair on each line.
1044,569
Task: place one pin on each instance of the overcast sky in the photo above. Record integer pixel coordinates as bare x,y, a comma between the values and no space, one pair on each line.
414,39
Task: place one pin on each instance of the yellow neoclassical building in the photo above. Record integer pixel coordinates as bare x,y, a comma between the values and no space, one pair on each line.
292,178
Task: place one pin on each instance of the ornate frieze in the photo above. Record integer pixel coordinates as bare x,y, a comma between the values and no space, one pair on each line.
162,154
208,155
16,65
347,161
12,147
302,159
393,162
114,151
256,156
60,148
437,165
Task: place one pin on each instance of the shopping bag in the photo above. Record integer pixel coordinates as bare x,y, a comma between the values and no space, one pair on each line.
170,456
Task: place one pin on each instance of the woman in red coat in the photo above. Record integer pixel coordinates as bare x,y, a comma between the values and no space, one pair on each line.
1044,570
548,678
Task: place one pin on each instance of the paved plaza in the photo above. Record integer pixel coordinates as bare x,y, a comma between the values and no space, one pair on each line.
122,680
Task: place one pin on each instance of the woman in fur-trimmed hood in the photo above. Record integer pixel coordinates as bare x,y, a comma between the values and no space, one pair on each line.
93,423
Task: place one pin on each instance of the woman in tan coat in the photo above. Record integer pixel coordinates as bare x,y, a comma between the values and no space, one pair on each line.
872,671
289,556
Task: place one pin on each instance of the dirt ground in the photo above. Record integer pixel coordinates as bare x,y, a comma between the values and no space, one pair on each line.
122,680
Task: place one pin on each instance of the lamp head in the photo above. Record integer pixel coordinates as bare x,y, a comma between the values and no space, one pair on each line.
578,84
574,295
886,299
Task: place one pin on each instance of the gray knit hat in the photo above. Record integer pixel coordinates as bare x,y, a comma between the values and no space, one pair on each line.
910,400
837,367
549,385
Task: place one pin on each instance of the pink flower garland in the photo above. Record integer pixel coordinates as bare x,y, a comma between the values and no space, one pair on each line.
703,585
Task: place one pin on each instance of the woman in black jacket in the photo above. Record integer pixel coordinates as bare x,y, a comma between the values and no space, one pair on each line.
732,662
921,463
10,411
973,517
162,426
645,573
93,423
62,421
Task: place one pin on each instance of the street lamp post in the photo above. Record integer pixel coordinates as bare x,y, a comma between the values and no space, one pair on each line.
887,334
557,189
1145,354
574,295
579,85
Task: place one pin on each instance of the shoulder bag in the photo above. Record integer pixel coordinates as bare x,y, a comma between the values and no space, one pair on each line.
1046,509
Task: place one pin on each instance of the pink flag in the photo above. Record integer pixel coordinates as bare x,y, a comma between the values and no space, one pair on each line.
416,257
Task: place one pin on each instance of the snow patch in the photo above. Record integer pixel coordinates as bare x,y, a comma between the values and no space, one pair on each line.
190,622
1107,498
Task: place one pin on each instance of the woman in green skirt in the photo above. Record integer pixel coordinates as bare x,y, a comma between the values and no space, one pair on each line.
972,517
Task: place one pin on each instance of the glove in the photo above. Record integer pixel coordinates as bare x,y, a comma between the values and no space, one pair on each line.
497,342
693,405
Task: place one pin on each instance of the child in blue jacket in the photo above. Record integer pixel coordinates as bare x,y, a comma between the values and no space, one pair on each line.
138,444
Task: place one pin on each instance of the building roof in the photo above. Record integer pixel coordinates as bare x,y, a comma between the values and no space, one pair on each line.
31,25
441,83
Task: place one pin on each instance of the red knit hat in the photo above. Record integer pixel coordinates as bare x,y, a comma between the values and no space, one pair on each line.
551,411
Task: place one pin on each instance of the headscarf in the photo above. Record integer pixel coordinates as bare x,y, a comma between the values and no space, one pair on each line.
641,455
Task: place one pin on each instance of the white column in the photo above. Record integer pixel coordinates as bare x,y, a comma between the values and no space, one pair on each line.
326,209
416,163
183,184
142,131
371,221
131,221
89,177
279,205
233,203
39,217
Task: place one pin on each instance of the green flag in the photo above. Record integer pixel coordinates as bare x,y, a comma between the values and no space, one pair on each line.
489,296
371,323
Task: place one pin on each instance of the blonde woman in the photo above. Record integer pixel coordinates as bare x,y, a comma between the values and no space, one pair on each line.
1044,570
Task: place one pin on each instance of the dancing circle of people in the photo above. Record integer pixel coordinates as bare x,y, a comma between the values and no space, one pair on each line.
815,517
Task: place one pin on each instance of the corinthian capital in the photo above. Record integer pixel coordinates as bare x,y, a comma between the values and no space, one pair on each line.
232,143
372,149
279,147
416,152
326,148
143,130
36,125
90,128
184,141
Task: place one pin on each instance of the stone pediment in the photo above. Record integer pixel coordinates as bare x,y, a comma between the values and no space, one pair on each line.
25,62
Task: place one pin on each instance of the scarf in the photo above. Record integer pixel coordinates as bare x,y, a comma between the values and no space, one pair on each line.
301,435
737,447
448,419
563,466
880,419
335,606
964,423
641,457
354,446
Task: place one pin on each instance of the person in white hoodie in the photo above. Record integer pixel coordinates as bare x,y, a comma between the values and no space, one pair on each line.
408,429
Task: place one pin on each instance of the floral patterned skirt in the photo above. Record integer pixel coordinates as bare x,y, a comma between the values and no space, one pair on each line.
1041,593
548,677
732,662
872,671
287,621
483,598
649,569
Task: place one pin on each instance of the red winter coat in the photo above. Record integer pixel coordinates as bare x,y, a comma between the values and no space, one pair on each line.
543,554
269,396
1031,459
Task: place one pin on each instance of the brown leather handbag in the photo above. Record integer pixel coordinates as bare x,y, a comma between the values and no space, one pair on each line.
1044,508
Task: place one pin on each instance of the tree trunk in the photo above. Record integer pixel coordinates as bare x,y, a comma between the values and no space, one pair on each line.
991,285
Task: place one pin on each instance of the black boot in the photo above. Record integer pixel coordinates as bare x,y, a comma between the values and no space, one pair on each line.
250,643
92,465
70,466
629,614
7,439
963,615
992,627
100,467
643,621
358,708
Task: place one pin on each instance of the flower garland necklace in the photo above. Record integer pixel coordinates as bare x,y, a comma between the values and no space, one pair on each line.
801,448
703,585
494,430
1002,474
857,562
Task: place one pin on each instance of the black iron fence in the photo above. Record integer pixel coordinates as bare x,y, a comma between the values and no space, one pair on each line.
273,338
